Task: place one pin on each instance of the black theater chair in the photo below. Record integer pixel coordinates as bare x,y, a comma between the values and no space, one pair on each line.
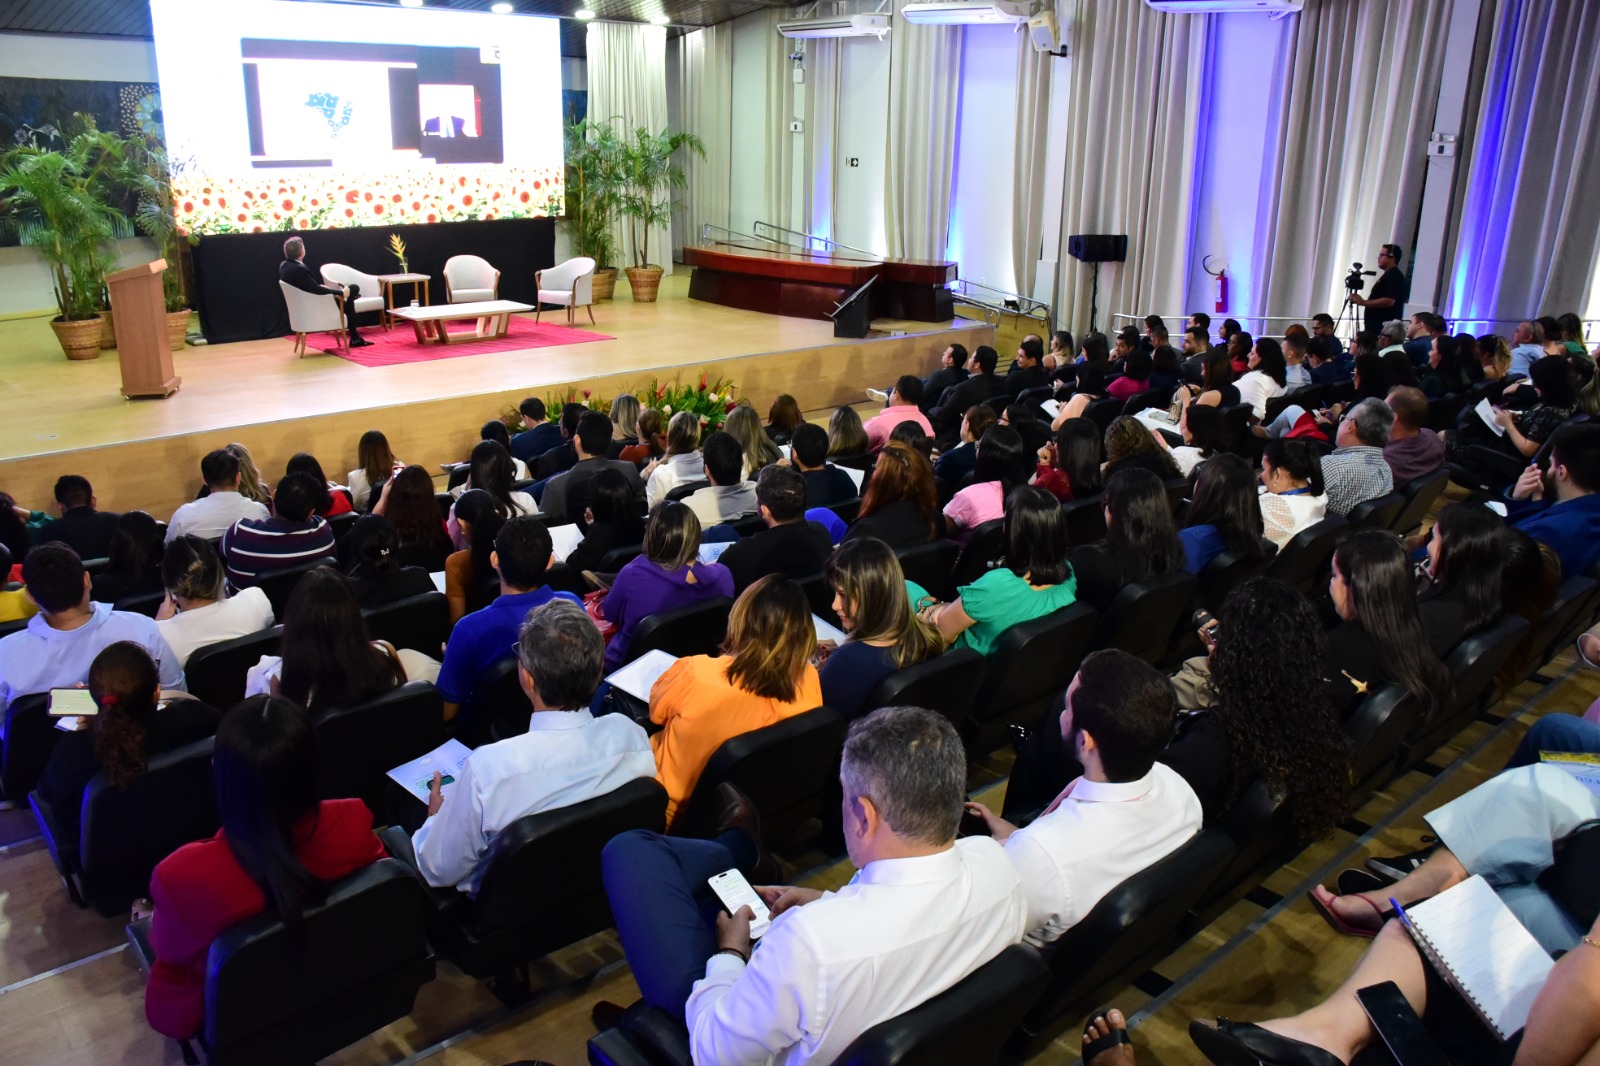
1558,626
1227,571
125,832
1031,666
420,622
694,630
1419,494
946,683
1379,512
1472,666
1086,520
279,584
1144,617
1376,730
523,909
501,709
1131,927
984,550
686,489
30,737
358,746
930,565
146,603
1300,563
1102,411
274,996
1262,834
216,672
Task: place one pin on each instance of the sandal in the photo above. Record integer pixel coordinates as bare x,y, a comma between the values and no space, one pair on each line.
1578,644
1324,907
1114,1038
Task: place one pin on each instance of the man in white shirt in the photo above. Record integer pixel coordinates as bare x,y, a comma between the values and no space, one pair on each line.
1124,813
210,516
567,756
923,912
1527,348
729,497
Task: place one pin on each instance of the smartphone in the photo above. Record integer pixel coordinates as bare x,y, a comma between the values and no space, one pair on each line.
72,702
426,784
972,825
1398,1026
735,892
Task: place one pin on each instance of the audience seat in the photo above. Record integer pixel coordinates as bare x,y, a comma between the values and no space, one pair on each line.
1300,563
1145,616
1303,396
857,461
216,672
1380,512
146,603
694,630
1236,422
1259,826
541,887
125,832
819,597
1549,638
1472,667
930,565
1102,411
1030,666
501,709
279,584
420,622
358,746
340,524
615,559
685,489
984,550
786,769
1086,520
847,510
1160,399
275,997
1376,730
1442,413
1420,494
1131,927
1226,572
30,737
946,683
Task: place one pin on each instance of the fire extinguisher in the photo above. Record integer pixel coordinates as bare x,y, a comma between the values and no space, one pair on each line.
1222,292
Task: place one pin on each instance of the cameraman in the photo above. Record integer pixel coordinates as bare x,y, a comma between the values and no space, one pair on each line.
1389,293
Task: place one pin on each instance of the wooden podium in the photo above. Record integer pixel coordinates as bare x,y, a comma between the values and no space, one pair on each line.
141,320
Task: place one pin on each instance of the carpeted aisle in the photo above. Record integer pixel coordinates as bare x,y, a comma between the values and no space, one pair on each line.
398,345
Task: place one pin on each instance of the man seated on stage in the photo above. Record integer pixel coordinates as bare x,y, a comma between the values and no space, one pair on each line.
905,405
294,271
567,494
1027,370
924,911
825,483
293,536
566,756
538,434
727,498
210,516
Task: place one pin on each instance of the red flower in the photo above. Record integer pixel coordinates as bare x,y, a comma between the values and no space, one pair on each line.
432,217
463,181
188,206
222,201
526,197
349,212
536,185
396,197
350,197
416,205
702,382
242,217
288,204
585,394
661,391
377,209
466,199
368,197
730,407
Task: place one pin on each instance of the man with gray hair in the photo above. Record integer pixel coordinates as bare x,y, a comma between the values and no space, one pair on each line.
1527,347
924,911
1392,337
566,756
293,270
1356,471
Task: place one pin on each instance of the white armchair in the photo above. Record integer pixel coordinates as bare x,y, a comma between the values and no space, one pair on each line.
371,298
313,312
470,279
570,285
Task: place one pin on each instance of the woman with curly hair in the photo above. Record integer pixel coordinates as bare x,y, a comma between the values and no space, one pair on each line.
1129,445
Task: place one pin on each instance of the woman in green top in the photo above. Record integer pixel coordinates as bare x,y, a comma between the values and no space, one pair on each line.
1035,581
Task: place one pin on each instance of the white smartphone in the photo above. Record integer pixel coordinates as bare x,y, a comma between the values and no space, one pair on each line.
74,702
735,892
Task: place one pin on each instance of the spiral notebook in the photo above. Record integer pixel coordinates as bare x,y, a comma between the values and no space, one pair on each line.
1478,946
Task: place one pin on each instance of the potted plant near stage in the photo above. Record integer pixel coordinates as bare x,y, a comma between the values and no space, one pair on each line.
649,179
594,170
151,180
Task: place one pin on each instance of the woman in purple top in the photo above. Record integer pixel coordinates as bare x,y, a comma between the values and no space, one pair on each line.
667,576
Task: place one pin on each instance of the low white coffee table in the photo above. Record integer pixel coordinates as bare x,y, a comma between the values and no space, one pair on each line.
494,319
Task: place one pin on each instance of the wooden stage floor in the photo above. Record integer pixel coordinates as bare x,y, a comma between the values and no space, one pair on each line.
64,417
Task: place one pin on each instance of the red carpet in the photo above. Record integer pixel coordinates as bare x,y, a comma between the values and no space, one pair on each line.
399,345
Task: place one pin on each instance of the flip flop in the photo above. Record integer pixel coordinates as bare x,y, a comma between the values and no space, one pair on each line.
1115,1038
1354,882
1338,924
1578,646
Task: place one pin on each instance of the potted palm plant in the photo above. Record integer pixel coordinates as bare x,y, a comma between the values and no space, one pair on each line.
150,178
594,170
649,178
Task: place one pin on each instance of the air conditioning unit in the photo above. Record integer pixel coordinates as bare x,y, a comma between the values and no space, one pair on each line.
841,26
968,12
1198,7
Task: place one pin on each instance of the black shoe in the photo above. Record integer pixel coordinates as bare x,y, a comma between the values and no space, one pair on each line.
1244,1044
605,1015
358,341
736,811
1394,867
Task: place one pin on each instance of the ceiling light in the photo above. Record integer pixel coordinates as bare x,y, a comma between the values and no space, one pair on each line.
410,3
659,20
585,14
501,8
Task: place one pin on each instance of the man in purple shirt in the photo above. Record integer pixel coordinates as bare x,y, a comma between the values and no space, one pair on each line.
293,536
1413,450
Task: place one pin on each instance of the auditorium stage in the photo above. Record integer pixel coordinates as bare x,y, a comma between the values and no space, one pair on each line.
63,417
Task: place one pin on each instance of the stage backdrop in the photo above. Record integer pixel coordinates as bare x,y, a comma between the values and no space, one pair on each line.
236,274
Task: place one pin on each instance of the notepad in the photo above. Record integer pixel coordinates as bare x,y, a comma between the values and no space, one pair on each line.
1486,412
564,540
1051,408
1585,769
711,551
639,676
828,631
438,579
416,776
1479,947
855,475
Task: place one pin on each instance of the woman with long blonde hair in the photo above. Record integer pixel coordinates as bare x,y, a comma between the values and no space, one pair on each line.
251,486
869,596
744,425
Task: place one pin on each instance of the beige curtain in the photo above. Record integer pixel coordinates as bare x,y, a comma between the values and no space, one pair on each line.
1027,178
628,86
924,91
822,134
705,109
780,112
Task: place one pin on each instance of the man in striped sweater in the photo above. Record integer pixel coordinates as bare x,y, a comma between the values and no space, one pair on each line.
291,536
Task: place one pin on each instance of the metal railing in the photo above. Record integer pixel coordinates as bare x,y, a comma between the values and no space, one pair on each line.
806,239
997,303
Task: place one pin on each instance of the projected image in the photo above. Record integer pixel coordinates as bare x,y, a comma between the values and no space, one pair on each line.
449,110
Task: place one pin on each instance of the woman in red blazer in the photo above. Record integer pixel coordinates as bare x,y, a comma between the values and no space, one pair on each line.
277,849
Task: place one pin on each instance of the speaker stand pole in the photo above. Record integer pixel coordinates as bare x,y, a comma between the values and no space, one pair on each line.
1094,296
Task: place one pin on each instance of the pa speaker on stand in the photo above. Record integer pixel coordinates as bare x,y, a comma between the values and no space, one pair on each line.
1097,248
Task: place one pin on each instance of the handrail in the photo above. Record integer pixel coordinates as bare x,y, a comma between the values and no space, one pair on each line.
1000,302
806,237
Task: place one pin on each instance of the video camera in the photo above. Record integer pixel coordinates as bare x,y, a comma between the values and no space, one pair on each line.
1352,280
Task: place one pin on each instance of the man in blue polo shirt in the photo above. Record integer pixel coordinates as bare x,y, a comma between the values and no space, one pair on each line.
521,555
1569,523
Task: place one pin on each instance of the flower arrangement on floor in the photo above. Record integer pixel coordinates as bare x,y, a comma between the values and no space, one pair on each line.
711,400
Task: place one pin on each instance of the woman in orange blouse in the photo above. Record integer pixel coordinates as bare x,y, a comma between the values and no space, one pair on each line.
762,676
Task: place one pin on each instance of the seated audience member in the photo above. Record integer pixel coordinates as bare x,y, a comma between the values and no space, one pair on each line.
567,494
726,497
564,454
1061,349
1204,436
1525,431
1401,371
924,911
470,580
955,464
1216,388
80,527
611,520
481,639
328,661
905,405
1239,347
133,564
1223,514
491,469
1292,494
378,465
1124,813
1425,326
763,675
1323,365
1465,569
681,465
1391,337
1131,446
847,437
251,487
790,545
60,642
132,722
566,756
1035,580
1069,466
278,849
1196,343
332,499
1165,373
1027,369
783,418
667,576
409,504
1446,372
901,504
744,426
1413,450
371,562
1508,830
198,610
952,371
1295,372
825,483
1495,357
869,596
212,514
1265,378
1323,326
624,421
1470,357
978,388
1356,470
14,531
1035,432
538,435
1140,542
1381,636
651,431
293,536
1002,467
1560,507
1089,374
1135,376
